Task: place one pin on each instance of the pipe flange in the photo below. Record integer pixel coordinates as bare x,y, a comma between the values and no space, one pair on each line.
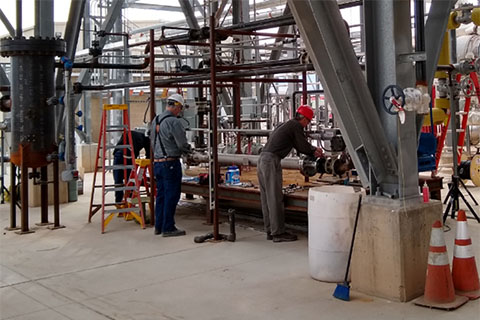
32,47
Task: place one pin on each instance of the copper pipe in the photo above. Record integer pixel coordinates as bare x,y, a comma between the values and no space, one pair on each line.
152,116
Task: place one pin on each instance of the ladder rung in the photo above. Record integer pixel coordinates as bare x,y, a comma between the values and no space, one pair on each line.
119,166
133,209
120,189
120,146
458,130
117,126
106,186
114,130
461,112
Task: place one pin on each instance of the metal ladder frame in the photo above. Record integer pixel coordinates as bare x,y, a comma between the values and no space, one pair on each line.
102,144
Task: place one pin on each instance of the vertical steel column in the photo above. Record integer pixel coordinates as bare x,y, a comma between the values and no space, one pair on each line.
213,96
323,31
387,36
43,196
56,197
152,116
420,66
24,192
304,87
13,198
237,106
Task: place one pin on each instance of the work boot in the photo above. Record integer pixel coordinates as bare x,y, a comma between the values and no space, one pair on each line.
284,237
175,233
157,232
269,236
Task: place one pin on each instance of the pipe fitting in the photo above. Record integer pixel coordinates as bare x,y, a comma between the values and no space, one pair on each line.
476,16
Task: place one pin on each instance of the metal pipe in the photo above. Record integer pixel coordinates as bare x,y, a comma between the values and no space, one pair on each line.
24,191
213,94
237,112
164,82
56,195
246,132
19,31
43,195
13,197
96,65
255,33
420,66
70,157
304,87
244,159
153,186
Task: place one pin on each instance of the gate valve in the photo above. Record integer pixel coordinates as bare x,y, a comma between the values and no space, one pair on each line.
393,101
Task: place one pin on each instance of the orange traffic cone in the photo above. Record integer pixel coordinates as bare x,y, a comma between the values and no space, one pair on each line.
464,268
439,291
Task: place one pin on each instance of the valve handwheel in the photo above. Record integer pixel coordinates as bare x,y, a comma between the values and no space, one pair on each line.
393,99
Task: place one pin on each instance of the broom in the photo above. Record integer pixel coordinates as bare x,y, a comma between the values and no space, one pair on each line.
342,291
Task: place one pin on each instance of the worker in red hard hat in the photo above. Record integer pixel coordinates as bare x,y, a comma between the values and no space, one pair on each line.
286,136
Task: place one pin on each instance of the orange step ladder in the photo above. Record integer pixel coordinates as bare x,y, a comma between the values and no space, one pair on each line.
141,179
101,162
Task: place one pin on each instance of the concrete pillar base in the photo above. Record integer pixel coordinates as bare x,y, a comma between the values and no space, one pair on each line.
391,247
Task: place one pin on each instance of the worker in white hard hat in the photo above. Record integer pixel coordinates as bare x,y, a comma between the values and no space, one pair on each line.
169,142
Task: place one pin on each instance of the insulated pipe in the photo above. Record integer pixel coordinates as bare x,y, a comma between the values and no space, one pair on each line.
244,159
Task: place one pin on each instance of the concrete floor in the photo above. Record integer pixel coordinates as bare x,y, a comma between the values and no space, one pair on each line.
129,273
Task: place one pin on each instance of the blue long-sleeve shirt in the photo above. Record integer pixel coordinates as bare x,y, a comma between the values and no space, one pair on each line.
172,134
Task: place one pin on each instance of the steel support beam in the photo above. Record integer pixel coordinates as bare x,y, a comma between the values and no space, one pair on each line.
276,53
189,14
150,6
323,30
7,24
435,28
387,35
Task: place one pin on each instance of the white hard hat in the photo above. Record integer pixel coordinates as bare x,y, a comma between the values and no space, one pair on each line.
177,97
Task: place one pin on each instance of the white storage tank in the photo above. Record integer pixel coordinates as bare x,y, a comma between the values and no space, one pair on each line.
331,217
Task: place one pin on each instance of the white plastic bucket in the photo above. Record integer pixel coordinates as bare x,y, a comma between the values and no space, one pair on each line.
331,216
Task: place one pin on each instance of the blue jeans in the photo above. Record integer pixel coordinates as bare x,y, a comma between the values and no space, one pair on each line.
169,179
118,175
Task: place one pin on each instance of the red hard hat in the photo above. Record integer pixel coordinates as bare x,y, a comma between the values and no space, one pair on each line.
306,111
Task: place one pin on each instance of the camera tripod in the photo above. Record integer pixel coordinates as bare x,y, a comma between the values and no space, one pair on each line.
453,199
454,190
